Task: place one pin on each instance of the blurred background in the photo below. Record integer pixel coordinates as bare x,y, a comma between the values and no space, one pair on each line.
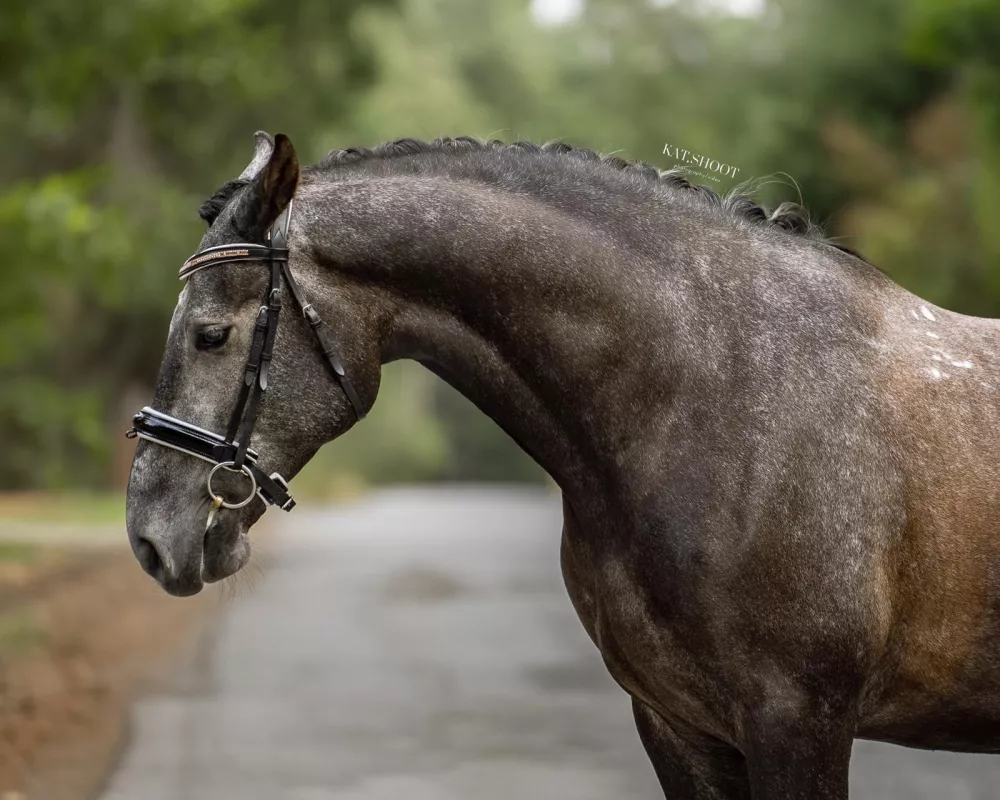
118,120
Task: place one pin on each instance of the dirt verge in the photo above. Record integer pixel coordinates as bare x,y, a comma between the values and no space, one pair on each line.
80,634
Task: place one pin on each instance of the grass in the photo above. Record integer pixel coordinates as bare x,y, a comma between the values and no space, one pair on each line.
320,485
19,631
69,508
18,553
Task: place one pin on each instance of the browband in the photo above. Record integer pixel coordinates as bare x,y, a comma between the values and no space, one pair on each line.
226,254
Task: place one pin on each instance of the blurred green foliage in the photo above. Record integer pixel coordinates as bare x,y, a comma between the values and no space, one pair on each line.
119,119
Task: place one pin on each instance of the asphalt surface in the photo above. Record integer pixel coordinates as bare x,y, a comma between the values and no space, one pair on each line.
420,645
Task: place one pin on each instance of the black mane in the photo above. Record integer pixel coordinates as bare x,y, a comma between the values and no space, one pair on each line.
789,217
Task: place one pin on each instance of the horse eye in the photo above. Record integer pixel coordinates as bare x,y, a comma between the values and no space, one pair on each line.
211,338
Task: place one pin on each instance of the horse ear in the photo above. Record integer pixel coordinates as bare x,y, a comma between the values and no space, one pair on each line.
263,146
273,187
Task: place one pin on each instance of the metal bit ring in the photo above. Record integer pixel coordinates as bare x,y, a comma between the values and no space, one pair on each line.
229,466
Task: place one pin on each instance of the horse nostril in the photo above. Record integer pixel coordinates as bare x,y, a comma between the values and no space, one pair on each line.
149,559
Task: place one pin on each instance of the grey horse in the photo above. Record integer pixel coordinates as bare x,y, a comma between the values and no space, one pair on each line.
778,467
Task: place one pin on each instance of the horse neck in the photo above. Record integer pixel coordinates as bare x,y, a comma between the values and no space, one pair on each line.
537,316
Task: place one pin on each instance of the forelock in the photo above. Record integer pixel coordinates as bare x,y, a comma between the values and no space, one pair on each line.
212,207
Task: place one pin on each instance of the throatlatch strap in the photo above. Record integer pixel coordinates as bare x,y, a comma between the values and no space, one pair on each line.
325,343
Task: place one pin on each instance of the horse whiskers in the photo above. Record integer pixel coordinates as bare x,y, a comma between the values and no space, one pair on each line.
245,578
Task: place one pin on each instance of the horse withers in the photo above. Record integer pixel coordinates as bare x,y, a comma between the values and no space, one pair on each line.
778,467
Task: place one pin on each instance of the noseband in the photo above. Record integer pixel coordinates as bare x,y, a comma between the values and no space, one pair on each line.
232,452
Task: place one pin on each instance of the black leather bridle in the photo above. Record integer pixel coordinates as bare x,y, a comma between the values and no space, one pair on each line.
232,451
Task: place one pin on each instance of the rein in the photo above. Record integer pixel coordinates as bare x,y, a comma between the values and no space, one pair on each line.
232,451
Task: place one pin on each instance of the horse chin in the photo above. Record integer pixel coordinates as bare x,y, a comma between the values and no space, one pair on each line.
227,549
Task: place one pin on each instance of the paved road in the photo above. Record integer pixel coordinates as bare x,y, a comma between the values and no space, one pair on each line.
420,645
